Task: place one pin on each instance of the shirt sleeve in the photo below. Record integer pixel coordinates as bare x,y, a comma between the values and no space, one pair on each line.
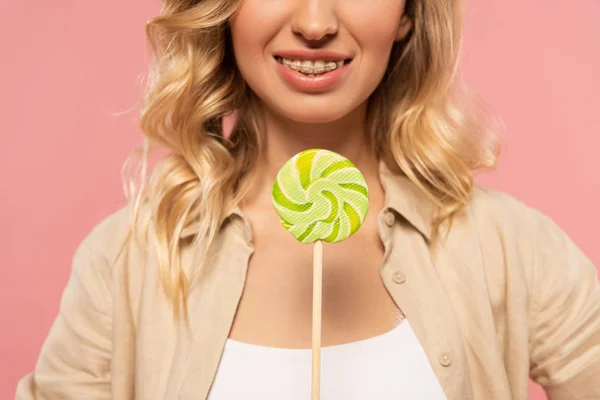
75,359
565,317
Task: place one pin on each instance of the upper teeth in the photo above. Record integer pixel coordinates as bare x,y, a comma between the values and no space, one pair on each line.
311,67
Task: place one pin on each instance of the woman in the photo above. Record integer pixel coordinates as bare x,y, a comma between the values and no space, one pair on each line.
447,291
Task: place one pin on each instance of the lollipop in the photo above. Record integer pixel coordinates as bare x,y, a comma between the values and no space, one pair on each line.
320,196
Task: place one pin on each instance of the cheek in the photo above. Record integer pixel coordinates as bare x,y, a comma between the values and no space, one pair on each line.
252,29
253,26
374,27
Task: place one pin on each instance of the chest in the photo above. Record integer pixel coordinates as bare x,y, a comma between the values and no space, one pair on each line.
276,306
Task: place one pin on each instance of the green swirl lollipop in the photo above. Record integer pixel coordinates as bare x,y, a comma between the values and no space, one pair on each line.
320,195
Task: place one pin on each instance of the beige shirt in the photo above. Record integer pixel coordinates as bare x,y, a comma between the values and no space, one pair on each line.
504,297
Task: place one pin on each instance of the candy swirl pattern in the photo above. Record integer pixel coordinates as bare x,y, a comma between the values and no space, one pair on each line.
320,195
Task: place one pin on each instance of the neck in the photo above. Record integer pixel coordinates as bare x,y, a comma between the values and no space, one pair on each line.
284,138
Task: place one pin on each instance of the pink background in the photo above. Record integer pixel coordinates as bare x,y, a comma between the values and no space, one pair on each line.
68,69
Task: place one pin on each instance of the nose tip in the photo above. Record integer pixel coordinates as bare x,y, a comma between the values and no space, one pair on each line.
315,21
316,32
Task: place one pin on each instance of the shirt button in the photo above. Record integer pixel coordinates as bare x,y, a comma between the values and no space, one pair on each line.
445,359
389,219
399,277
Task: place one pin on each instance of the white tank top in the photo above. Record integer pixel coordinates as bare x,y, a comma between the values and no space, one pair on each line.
391,366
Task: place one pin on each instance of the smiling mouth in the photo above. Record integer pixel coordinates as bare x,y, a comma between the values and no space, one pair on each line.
312,68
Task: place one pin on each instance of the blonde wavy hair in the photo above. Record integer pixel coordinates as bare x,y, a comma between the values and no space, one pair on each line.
421,115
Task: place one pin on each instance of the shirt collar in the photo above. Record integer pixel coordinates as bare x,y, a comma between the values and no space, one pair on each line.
405,198
401,196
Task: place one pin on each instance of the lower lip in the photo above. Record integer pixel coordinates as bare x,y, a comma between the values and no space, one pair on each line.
312,83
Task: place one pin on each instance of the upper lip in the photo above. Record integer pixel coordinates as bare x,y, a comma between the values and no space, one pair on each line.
324,55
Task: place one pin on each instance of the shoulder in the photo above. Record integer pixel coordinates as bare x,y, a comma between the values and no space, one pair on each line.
494,210
509,231
508,226
103,246
486,202
498,211
106,235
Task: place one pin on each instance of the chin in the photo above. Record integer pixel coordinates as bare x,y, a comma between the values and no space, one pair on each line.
312,114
